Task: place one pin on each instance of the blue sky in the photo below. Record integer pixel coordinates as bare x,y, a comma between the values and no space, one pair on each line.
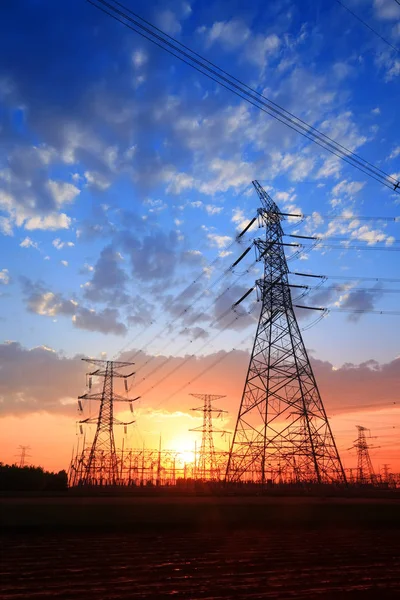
124,173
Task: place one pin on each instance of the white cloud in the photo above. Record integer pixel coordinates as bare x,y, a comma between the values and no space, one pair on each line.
241,221
4,277
50,222
235,34
395,152
297,166
393,71
26,213
348,188
64,262
97,180
219,241
376,111
179,182
229,173
58,244
213,210
139,58
371,236
230,34
342,70
62,192
168,22
6,226
387,10
28,243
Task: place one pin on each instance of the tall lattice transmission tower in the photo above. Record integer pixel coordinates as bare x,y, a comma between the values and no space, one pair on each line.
23,455
207,465
100,465
282,431
365,470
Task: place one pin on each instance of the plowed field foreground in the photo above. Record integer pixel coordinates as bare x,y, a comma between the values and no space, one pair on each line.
244,565
346,550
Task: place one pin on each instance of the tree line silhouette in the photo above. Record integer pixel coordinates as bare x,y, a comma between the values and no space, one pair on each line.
14,478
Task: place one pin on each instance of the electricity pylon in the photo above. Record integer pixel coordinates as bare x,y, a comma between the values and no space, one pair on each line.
101,467
207,467
365,470
23,455
282,431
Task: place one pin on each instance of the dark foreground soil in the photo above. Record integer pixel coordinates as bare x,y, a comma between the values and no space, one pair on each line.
202,549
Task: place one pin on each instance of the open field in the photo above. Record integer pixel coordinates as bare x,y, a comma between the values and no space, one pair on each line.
115,548
244,564
155,512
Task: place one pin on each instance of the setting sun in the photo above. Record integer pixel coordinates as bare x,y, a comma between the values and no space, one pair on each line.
186,448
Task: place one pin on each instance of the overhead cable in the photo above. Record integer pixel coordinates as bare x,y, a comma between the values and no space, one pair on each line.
351,310
342,217
380,279
240,89
368,26
341,239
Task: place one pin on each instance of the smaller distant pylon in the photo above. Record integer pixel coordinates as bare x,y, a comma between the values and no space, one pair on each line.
207,465
365,470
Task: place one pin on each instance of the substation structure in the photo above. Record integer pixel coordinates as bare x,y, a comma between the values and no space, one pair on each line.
145,467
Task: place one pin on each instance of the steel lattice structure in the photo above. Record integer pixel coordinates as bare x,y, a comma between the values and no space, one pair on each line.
365,470
101,466
282,431
207,466
142,467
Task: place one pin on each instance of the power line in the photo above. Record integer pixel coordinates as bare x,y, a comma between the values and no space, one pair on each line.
332,247
380,279
369,26
342,217
350,310
236,86
340,239
342,288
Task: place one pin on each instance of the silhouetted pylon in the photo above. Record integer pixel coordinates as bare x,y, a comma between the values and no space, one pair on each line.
101,465
365,470
207,467
282,431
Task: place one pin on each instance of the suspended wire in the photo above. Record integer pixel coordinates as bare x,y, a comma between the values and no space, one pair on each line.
158,334
351,310
342,288
352,278
188,358
186,344
245,92
218,360
315,322
341,217
338,239
332,247
368,26
209,265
